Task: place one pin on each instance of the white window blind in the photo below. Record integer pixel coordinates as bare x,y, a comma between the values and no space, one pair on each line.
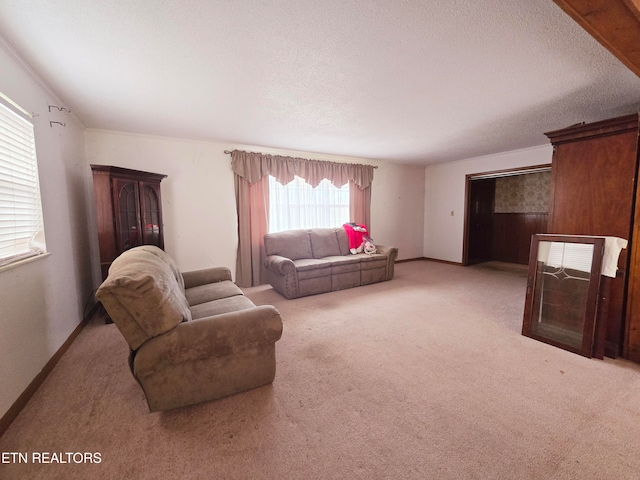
21,225
576,256
299,205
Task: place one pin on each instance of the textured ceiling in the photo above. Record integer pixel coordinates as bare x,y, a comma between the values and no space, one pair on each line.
412,81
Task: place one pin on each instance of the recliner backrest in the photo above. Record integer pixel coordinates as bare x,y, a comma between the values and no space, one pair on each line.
142,296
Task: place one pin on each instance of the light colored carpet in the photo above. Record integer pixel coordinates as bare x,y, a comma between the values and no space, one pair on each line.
423,377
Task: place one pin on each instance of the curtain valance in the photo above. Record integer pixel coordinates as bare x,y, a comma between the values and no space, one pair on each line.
253,166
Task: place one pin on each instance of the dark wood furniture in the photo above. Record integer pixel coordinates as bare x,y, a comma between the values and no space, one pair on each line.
632,326
593,185
128,211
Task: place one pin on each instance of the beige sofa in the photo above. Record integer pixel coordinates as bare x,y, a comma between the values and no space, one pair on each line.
193,336
311,261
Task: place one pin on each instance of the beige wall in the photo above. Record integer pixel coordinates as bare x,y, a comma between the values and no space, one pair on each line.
445,193
42,302
199,201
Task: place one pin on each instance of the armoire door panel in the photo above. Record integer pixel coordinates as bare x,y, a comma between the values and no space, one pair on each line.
594,186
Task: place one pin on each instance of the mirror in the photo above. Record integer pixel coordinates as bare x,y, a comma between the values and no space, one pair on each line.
562,291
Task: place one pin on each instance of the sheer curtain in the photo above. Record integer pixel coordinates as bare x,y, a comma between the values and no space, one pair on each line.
252,199
299,205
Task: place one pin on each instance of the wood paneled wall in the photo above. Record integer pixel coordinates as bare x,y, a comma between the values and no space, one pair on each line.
512,235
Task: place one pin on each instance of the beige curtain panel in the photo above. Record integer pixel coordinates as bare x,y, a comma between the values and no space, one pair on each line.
252,199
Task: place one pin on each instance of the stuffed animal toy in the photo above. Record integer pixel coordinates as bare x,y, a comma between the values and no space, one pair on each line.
369,248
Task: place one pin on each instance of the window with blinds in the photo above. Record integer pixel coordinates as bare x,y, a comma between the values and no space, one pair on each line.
21,225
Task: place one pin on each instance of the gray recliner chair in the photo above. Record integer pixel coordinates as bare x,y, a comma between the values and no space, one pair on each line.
193,337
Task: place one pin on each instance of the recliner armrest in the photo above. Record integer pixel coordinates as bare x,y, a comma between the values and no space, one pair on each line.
196,278
207,337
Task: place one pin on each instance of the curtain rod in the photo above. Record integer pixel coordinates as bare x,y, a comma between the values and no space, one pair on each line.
228,152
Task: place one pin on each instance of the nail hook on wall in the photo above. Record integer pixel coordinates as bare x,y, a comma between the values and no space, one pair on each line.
60,109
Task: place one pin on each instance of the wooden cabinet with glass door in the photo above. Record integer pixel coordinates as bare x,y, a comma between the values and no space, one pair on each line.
128,210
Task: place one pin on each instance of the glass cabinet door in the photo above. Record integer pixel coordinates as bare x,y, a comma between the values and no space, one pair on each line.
151,215
127,214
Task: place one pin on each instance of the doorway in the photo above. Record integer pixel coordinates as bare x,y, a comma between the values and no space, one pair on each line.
481,197
498,226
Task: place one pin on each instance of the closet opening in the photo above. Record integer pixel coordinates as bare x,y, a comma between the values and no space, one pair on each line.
503,209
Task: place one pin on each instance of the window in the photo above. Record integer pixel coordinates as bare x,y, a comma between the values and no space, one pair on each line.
299,205
21,226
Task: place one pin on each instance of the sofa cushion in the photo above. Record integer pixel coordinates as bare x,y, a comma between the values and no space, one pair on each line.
142,296
324,242
342,260
343,241
305,264
224,305
211,291
293,244
344,264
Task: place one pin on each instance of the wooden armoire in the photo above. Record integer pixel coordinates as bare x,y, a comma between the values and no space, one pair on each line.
593,192
128,211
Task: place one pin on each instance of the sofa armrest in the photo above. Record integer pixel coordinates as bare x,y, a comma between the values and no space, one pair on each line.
391,254
279,264
215,336
208,275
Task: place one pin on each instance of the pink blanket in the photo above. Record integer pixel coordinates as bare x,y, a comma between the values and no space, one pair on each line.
355,233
